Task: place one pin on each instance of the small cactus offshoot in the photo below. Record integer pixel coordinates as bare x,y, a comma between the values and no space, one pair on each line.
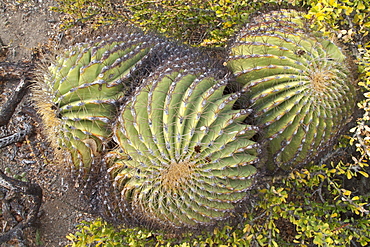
77,94
298,84
189,157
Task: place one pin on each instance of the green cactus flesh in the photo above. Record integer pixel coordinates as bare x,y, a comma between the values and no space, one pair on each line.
297,83
190,158
83,86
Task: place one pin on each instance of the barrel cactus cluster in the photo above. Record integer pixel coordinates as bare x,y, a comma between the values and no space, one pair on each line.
297,83
173,147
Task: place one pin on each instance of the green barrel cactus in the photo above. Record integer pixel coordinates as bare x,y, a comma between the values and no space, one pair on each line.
77,95
186,157
298,84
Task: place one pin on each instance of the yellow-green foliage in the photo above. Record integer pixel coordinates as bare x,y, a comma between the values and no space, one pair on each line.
195,22
316,206
310,206
361,136
212,22
77,12
349,17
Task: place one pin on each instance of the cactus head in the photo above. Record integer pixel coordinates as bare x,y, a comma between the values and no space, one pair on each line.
297,83
188,157
77,94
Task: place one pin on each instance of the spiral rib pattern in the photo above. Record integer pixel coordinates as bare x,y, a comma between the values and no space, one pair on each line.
296,82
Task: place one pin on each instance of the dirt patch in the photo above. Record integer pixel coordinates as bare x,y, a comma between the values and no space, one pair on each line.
26,26
27,29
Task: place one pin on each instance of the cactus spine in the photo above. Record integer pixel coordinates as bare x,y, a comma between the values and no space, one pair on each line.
189,157
77,96
297,83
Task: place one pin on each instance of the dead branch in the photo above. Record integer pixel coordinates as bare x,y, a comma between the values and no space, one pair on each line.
19,71
9,107
15,187
17,137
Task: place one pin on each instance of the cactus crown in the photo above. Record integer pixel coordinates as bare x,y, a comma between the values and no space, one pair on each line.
189,157
297,83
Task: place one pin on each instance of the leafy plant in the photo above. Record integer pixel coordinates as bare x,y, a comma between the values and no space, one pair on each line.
199,23
82,12
316,208
297,83
350,18
361,132
189,156
22,177
100,233
195,22
211,22
309,207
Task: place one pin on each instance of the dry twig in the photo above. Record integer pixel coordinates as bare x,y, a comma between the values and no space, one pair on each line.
15,188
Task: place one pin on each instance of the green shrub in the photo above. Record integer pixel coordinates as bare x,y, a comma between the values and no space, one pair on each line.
309,207
361,136
196,22
350,18
211,23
